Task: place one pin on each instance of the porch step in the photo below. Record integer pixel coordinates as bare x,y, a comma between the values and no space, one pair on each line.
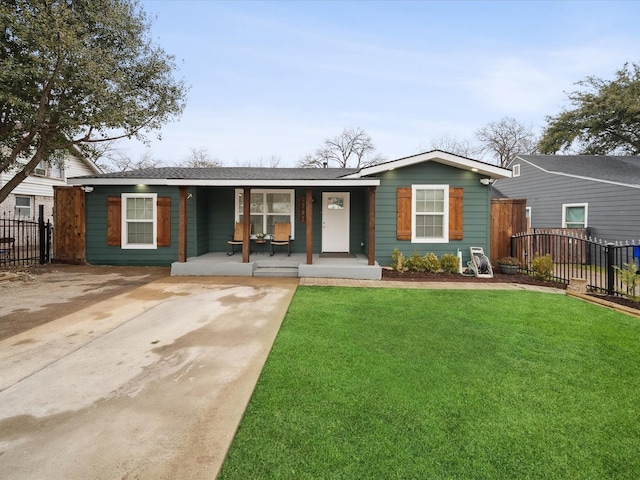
276,272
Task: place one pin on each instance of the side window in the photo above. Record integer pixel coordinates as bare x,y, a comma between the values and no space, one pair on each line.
23,207
516,170
126,231
574,215
527,214
139,220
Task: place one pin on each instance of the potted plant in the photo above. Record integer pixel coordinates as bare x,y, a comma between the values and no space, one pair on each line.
509,265
259,237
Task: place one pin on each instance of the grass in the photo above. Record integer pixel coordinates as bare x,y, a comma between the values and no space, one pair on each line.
398,384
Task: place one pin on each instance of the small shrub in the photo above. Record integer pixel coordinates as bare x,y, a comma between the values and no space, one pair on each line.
509,261
397,260
431,262
630,278
542,267
449,263
415,263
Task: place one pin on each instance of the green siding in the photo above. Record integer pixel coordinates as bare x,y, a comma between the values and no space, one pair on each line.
211,218
97,250
477,202
219,219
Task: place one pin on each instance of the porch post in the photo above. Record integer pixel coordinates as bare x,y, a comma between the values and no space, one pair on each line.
246,225
309,212
372,226
182,224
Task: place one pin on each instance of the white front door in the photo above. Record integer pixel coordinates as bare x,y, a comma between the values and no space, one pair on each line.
335,221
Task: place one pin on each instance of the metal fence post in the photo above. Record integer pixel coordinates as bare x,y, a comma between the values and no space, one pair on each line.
41,233
611,274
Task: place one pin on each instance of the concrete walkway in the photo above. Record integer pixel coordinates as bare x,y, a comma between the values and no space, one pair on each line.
470,285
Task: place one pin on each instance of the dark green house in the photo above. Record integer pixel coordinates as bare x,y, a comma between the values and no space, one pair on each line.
343,222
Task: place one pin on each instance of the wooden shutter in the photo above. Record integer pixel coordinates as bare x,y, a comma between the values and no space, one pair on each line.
114,221
164,221
455,213
403,222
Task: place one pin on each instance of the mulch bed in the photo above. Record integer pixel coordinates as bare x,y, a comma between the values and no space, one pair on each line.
497,278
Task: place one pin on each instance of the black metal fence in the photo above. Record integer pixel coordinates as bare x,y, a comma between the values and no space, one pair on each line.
577,256
24,242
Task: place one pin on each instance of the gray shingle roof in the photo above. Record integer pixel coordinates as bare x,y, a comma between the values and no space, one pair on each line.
230,173
622,169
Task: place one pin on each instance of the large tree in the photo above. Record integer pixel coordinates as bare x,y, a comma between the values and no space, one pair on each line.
505,139
351,148
78,72
605,117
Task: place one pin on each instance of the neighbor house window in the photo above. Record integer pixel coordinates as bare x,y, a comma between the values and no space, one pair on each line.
574,215
139,220
267,207
430,213
527,214
23,206
516,170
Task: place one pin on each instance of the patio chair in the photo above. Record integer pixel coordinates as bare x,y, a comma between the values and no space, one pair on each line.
281,237
236,238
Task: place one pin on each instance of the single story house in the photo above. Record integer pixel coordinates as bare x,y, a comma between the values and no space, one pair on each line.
599,193
431,202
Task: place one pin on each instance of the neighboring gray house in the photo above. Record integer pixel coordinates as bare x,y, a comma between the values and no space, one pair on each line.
598,192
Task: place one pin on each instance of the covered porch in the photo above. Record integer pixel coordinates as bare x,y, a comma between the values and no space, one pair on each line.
354,266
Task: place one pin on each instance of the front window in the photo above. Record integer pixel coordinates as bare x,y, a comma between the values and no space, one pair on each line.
267,208
574,215
139,217
23,206
430,211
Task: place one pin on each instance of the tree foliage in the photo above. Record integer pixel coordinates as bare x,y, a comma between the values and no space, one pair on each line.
351,148
605,117
506,139
78,73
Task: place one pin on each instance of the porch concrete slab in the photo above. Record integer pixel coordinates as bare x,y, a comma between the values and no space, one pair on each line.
219,264
148,384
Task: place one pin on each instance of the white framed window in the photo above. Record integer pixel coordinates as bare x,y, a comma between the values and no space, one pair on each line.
527,214
430,213
139,220
23,206
574,215
516,170
267,208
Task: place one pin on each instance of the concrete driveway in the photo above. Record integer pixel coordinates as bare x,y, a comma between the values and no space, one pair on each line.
147,384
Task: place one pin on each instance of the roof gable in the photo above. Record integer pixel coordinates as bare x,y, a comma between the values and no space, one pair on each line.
438,156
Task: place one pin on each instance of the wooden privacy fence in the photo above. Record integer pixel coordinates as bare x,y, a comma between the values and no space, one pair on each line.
69,219
507,218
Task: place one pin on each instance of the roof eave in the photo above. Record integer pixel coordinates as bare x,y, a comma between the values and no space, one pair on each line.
347,182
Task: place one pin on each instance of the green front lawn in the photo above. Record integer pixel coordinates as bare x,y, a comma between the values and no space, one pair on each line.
432,384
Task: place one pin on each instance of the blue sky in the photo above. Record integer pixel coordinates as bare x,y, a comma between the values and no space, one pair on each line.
277,78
